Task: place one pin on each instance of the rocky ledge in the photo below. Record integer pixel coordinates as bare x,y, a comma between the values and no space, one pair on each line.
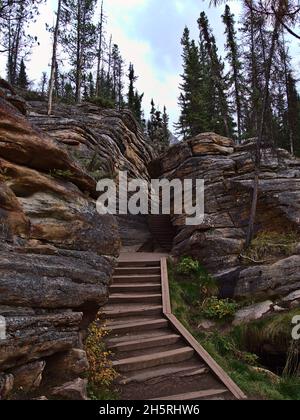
56,256
228,171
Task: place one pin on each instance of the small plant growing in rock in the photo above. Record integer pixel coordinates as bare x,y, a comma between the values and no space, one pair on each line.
193,271
101,372
220,309
59,173
187,265
267,246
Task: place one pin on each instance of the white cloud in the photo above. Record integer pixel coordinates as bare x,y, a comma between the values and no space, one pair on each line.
148,33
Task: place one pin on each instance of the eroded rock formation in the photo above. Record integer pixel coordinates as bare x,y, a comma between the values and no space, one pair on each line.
228,171
56,253
103,142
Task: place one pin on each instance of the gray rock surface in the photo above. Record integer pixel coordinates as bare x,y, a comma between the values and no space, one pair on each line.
252,313
57,254
228,172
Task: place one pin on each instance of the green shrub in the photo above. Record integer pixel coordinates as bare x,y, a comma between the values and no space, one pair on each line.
187,266
102,102
214,308
266,246
196,277
31,95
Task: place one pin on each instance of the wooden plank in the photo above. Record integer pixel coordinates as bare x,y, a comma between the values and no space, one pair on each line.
154,359
167,310
204,355
147,343
193,395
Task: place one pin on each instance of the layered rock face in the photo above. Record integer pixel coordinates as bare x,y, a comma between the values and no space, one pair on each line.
56,258
104,142
228,171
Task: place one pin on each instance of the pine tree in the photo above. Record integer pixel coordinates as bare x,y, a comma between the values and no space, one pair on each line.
134,99
151,125
224,121
158,131
79,39
91,86
165,128
293,115
16,42
54,67
101,46
117,65
22,79
43,84
131,89
191,120
252,27
234,58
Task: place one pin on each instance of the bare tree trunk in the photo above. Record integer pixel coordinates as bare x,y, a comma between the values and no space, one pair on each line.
260,136
53,62
109,60
98,80
79,55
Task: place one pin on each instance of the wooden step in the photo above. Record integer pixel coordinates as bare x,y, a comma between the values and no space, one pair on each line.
147,264
135,287
137,279
154,359
161,371
122,311
135,298
197,395
138,335
137,326
128,271
146,343
149,350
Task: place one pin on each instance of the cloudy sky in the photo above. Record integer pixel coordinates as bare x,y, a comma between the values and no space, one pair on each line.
148,33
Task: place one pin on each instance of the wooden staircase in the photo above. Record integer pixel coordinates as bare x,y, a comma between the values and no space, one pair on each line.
153,353
162,230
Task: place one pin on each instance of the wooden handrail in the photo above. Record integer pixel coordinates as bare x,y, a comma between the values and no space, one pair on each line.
177,325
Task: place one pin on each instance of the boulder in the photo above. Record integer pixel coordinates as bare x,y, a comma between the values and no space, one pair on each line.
292,297
252,313
277,279
6,385
207,325
211,144
75,390
28,377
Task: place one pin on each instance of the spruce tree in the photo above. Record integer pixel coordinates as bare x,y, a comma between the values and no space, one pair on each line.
224,122
191,120
131,89
165,128
234,58
134,99
91,86
101,46
293,115
117,65
22,80
79,39
54,67
43,84
158,130
151,125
